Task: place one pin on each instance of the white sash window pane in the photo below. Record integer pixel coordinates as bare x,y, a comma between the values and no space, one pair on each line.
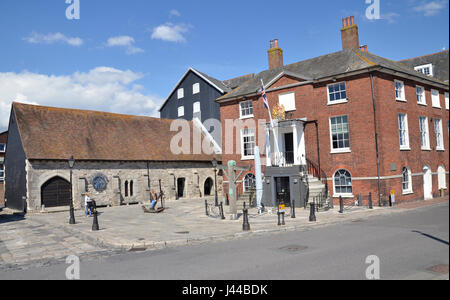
196,88
288,101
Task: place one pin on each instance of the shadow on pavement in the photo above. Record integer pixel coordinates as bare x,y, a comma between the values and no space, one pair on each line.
431,237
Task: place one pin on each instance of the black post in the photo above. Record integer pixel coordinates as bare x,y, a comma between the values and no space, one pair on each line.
312,215
216,199
221,212
341,205
359,200
370,201
161,194
72,214
282,218
279,214
246,225
293,209
206,207
95,226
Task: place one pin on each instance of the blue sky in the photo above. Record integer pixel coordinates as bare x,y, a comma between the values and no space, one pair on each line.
126,56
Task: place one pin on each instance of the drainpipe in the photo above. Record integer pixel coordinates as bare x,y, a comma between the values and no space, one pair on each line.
376,138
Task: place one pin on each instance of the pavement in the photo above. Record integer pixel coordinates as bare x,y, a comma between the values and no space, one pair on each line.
44,237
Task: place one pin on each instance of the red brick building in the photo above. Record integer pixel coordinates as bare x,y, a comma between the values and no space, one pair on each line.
358,122
3,139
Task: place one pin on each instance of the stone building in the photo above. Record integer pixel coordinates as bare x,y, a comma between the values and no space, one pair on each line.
119,159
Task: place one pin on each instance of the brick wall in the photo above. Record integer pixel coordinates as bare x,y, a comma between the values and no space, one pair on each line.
312,103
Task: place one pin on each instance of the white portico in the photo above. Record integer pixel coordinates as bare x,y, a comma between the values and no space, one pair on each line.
285,143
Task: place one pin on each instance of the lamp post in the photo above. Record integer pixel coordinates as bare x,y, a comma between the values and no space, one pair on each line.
72,215
214,163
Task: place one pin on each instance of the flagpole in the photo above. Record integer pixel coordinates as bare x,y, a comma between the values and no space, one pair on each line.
271,121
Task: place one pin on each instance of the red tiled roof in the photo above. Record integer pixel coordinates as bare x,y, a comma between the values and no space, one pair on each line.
56,134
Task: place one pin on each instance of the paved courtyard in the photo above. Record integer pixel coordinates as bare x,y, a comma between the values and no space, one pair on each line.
41,238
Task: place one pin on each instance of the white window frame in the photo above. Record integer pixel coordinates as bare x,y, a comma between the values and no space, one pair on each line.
402,91
439,135
245,181
442,178
247,133
180,111
242,109
343,195
447,104
195,88
423,95
180,93
435,99
409,189
424,133
4,148
339,101
288,101
196,107
403,127
422,68
339,150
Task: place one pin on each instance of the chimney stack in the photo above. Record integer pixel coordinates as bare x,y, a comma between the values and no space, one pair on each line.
350,35
275,55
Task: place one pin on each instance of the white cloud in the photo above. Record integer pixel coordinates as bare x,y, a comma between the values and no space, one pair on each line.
102,88
51,38
390,17
431,8
124,41
174,13
170,32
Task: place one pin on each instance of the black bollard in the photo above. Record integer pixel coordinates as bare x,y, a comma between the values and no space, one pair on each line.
279,218
293,209
341,204
206,208
312,215
221,212
95,226
246,225
72,215
359,200
370,201
282,218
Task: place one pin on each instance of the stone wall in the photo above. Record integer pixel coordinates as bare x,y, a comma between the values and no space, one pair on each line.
119,175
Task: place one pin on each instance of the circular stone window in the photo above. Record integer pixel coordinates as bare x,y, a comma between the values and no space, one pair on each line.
99,182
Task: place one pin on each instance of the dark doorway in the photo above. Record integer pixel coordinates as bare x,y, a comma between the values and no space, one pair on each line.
283,191
56,192
208,187
289,147
180,185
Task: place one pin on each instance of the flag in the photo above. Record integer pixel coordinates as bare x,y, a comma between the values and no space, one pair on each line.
264,95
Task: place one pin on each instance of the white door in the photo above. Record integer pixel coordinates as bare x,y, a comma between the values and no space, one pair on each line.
441,178
427,184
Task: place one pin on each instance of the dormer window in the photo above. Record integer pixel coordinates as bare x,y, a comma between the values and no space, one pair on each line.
425,69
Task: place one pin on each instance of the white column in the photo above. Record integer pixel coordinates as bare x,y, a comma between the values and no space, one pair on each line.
268,150
296,144
302,145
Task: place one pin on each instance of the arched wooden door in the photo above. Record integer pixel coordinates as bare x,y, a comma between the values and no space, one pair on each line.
55,192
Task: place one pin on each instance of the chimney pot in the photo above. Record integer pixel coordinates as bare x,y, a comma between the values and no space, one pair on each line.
275,55
350,35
